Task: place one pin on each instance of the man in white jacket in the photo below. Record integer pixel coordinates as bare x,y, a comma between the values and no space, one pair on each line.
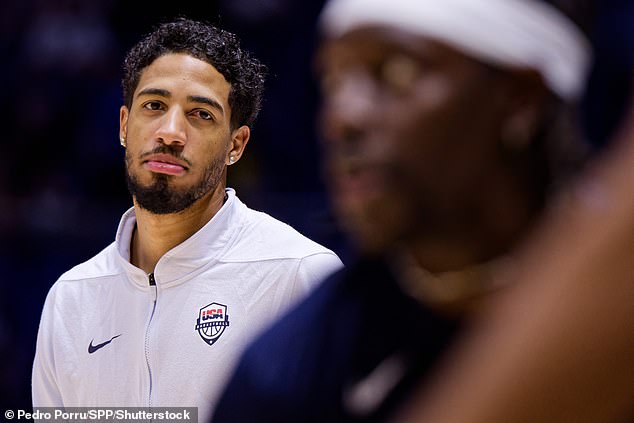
159,317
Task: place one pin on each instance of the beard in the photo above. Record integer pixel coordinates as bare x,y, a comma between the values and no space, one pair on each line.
159,197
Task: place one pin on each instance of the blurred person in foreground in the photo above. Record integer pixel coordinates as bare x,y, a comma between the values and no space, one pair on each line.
558,346
159,317
448,126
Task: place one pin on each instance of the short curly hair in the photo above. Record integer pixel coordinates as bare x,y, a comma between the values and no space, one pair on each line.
201,40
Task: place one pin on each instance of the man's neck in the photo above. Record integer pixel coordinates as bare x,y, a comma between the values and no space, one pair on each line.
156,234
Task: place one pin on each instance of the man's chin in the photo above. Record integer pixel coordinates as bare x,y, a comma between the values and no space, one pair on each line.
163,206
371,236
161,199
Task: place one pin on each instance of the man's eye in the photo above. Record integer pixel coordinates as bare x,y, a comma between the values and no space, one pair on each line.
399,72
329,82
152,105
203,114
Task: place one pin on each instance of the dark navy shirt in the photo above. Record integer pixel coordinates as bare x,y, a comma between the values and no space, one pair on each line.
350,352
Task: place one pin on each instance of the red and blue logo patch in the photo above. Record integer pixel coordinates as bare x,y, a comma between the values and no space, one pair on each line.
212,322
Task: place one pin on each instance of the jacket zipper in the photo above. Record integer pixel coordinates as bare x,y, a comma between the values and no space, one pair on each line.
152,282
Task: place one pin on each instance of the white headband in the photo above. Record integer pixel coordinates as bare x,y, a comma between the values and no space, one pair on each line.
513,33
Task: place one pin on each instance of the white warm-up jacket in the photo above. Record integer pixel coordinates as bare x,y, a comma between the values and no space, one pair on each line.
111,336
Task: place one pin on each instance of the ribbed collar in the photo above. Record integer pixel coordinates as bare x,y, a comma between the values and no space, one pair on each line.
189,257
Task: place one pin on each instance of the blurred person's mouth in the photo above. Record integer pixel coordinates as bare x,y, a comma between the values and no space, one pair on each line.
358,183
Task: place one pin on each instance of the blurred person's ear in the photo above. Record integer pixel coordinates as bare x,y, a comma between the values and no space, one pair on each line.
526,104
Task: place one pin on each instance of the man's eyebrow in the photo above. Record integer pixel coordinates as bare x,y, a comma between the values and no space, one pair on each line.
206,100
154,91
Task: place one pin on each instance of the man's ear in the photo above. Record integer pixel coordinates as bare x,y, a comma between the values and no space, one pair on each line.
526,106
239,140
123,125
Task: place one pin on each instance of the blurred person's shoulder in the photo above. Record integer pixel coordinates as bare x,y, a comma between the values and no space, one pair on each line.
292,369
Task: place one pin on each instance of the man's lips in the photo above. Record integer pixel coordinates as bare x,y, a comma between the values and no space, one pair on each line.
356,182
164,163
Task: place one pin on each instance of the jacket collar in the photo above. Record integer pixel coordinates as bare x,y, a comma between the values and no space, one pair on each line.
192,255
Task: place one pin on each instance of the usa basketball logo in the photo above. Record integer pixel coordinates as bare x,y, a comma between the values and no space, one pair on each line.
212,322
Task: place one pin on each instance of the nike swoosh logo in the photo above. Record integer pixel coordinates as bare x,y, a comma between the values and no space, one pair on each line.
92,348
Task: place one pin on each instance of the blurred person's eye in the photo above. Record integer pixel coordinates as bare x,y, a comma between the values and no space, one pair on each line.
398,72
329,82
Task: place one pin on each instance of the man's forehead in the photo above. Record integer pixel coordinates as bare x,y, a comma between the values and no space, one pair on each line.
523,34
184,67
373,43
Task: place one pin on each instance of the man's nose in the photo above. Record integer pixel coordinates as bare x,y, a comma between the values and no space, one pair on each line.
349,109
172,129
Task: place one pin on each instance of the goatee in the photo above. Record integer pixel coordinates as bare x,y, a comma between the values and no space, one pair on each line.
159,197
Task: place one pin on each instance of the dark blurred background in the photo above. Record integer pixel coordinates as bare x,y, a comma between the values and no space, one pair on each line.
62,189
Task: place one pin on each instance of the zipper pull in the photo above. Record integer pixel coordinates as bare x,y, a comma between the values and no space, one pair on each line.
152,281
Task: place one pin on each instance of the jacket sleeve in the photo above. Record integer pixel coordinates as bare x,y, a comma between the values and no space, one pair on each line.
44,387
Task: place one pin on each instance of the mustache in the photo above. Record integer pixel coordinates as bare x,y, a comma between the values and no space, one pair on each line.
167,149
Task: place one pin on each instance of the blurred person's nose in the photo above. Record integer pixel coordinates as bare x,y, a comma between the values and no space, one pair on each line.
172,129
349,108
